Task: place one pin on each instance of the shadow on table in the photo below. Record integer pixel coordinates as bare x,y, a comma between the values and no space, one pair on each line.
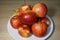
52,31
51,13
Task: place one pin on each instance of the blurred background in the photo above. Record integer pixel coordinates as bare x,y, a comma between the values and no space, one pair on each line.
6,11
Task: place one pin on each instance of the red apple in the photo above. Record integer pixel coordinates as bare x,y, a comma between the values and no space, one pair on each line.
40,9
39,29
24,8
24,31
15,22
28,18
45,20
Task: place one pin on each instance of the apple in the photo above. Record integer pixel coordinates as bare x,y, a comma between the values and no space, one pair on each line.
24,31
15,21
39,29
28,18
40,9
45,20
24,8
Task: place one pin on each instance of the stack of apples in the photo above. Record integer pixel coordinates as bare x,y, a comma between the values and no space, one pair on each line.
31,20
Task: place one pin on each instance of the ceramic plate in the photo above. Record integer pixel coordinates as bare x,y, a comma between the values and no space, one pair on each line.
14,33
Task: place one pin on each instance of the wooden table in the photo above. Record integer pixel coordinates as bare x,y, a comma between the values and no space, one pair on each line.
6,11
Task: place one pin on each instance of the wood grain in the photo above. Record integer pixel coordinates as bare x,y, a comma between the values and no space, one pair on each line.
6,11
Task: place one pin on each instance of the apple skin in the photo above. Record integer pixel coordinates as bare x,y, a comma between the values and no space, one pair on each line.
24,31
28,18
39,29
15,22
40,9
24,8
45,20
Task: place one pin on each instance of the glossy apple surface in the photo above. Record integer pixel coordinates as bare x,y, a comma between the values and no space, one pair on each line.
40,9
24,31
28,18
45,20
15,22
39,29
24,8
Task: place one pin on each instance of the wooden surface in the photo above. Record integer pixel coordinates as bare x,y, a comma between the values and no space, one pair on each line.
6,11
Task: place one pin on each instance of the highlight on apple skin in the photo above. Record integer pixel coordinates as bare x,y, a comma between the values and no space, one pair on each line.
28,18
15,22
40,9
24,31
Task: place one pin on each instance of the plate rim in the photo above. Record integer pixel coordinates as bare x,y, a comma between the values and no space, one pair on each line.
44,37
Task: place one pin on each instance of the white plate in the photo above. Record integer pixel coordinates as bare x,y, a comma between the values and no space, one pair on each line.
14,33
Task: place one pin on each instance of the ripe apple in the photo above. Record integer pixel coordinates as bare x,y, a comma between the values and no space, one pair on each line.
39,29
40,9
24,8
15,22
45,20
24,31
28,18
